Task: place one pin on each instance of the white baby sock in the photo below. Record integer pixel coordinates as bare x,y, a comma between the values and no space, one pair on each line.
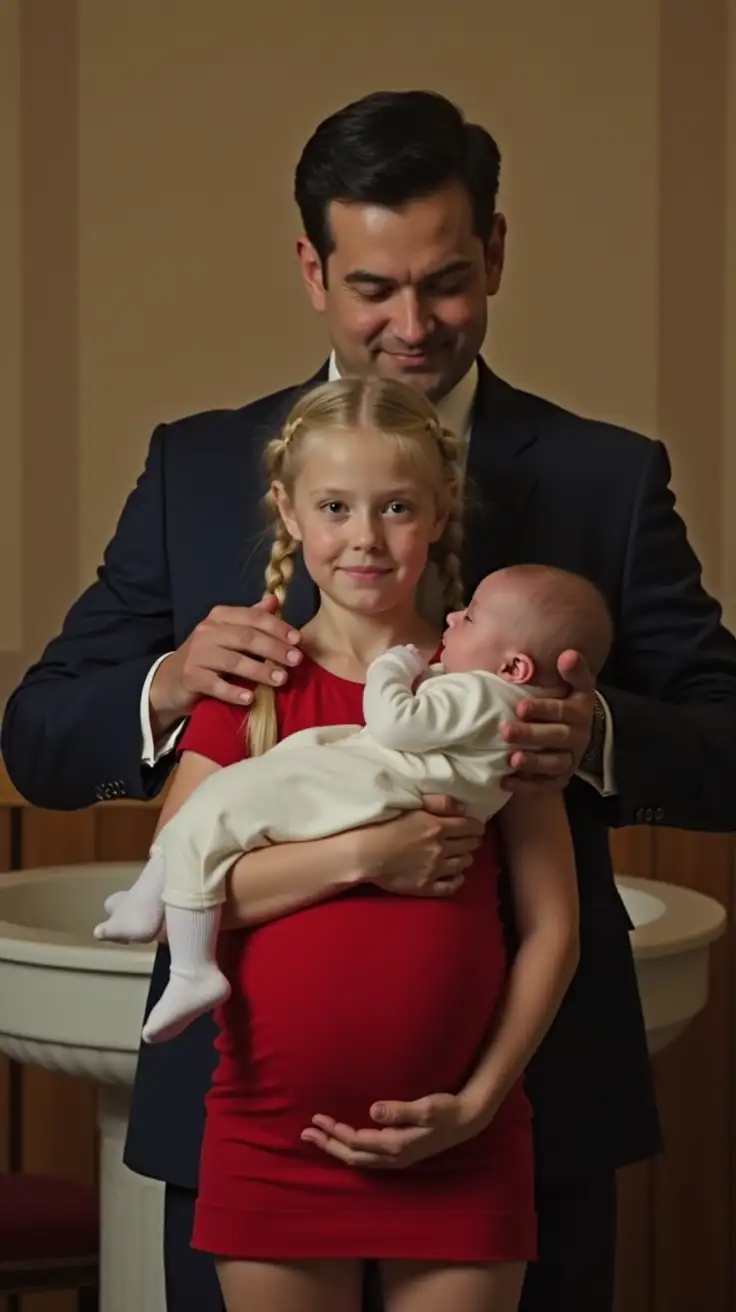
136,915
196,983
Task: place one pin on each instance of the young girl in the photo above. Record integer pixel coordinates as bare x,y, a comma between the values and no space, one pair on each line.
372,994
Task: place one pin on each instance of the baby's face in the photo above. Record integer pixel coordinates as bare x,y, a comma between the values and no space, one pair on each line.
481,637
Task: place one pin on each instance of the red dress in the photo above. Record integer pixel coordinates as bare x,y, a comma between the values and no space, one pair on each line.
366,996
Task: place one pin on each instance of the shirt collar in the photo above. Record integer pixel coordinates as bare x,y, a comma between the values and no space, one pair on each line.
455,410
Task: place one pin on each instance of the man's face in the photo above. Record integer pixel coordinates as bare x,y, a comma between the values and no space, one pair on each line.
407,289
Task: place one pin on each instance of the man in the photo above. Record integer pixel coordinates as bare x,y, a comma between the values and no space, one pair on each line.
402,247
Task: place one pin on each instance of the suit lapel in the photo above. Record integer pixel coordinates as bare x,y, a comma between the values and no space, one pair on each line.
500,486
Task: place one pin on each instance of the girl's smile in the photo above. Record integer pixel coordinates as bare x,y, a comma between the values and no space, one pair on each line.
365,518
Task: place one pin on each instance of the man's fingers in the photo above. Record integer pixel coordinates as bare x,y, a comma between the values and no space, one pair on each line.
574,670
539,736
533,785
252,640
537,765
544,710
255,617
208,684
207,679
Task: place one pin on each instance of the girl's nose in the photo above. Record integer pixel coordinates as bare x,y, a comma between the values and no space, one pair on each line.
367,534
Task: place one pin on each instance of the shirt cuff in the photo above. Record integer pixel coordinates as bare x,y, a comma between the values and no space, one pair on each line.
605,784
152,752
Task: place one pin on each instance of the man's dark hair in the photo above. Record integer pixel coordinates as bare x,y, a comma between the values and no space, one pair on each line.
390,148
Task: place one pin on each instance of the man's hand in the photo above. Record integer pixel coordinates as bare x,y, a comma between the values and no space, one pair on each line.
552,735
409,1132
422,853
245,642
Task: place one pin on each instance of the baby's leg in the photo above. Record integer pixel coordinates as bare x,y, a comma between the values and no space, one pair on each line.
291,1287
431,1287
196,983
135,916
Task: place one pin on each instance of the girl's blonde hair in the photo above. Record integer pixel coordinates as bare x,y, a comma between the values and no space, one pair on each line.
409,423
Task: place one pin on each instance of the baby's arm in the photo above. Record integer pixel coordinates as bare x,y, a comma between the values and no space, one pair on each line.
542,867
445,710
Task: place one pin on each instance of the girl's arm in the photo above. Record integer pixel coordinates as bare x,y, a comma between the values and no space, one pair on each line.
406,855
544,883
273,881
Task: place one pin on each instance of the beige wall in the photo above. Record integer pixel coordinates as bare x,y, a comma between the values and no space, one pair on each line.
11,626
147,154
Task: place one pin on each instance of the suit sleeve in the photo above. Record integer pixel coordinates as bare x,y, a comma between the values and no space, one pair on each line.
445,710
71,732
674,711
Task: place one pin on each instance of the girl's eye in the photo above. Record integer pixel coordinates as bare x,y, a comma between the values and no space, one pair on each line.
334,507
398,508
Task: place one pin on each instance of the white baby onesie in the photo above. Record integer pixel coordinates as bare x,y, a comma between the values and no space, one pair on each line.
445,737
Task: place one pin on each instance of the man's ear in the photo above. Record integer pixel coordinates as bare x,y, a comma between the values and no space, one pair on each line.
312,273
495,255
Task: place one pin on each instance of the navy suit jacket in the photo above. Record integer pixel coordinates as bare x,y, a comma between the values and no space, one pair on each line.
544,486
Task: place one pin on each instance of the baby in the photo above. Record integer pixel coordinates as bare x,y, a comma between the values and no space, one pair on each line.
428,729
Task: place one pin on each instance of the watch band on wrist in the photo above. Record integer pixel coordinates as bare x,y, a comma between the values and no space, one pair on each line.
592,762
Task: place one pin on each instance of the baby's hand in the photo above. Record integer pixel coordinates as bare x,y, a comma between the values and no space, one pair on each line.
410,658
419,663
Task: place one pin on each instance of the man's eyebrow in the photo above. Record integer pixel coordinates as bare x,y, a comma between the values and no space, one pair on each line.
364,277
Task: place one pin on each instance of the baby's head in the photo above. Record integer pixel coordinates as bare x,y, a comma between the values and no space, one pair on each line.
521,619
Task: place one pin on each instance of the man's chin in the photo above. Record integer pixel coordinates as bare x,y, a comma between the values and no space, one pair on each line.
428,379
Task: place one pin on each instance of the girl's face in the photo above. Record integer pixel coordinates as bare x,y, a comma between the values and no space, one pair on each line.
365,519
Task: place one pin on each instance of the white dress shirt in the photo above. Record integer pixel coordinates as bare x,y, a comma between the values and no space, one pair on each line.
455,412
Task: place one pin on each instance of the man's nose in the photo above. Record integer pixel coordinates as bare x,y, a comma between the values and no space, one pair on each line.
412,320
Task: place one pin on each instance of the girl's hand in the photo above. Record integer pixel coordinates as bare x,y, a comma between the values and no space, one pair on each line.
422,853
409,1132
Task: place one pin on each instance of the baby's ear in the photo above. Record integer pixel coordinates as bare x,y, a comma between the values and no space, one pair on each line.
518,668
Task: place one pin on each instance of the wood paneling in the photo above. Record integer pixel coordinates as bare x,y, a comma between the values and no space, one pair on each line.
633,855
692,1180
676,1215
125,834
